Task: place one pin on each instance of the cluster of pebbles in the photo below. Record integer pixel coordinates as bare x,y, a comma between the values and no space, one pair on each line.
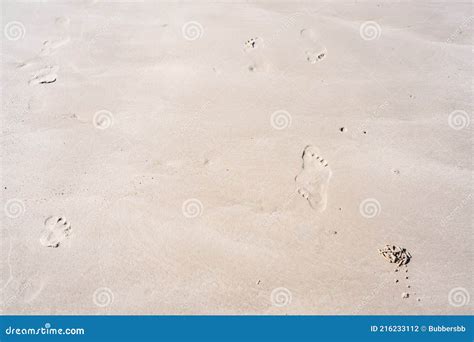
401,257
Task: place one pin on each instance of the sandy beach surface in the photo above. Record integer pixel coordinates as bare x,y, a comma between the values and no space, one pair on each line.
236,158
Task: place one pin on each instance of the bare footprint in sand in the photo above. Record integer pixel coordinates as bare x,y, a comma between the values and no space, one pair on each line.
57,229
253,43
63,22
313,180
50,47
254,50
315,56
44,75
314,50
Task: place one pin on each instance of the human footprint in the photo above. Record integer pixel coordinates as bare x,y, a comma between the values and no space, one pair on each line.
56,230
312,182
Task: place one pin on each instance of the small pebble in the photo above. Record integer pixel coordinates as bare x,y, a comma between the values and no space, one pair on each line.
396,280
405,295
343,129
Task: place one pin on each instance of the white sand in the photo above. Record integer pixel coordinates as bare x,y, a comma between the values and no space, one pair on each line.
191,119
